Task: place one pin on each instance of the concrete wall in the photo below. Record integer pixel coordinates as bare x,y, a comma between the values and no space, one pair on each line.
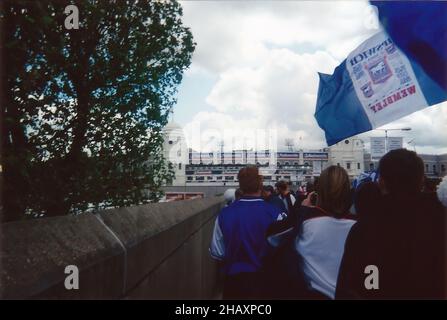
209,191
153,251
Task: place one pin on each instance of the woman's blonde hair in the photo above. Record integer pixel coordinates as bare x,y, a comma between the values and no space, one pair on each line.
334,191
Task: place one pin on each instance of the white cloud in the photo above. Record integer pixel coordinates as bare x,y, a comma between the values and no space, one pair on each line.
266,56
280,95
237,33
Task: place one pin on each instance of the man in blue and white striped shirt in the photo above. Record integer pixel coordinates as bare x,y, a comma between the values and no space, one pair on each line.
239,238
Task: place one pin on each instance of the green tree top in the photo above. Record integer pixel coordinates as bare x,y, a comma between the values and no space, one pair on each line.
83,108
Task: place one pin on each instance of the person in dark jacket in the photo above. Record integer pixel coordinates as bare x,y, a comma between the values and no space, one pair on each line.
367,199
268,194
285,195
399,252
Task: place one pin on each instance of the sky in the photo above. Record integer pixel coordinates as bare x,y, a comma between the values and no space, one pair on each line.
253,78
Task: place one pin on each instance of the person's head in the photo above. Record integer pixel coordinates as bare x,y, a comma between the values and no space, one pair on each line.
315,182
401,172
333,190
366,199
311,185
250,181
267,191
283,187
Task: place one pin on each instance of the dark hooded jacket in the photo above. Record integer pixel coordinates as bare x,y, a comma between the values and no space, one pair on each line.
406,240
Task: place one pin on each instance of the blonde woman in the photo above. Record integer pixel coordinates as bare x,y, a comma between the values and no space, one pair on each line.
323,230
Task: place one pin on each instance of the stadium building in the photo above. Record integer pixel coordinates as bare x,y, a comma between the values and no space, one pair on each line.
220,167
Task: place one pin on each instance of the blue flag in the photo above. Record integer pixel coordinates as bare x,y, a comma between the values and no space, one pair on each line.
375,85
419,29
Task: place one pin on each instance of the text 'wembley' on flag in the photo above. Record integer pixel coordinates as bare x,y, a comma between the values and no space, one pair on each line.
375,85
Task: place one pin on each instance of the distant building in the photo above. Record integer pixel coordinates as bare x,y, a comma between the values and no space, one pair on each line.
435,166
442,165
349,154
175,151
221,168
369,163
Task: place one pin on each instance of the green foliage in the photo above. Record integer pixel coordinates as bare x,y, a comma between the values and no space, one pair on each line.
82,110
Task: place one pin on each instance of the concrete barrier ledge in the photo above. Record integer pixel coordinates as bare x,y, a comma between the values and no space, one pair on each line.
114,249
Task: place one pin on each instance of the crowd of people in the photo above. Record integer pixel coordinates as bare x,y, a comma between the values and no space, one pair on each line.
383,239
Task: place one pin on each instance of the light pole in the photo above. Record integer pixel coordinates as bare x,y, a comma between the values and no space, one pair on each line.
413,143
386,134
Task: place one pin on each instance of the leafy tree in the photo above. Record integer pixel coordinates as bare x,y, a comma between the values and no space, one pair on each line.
83,109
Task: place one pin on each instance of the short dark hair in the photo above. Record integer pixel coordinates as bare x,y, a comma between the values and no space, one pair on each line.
249,179
281,185
366,199
402,171
312,185
268,188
